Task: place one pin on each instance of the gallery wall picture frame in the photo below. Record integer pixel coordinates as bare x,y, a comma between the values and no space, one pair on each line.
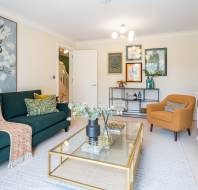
114,63
134,53
156,61
133,72
8,55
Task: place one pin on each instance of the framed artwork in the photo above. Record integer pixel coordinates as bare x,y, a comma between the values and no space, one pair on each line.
133,72
134,53
115,63
156,61
8,55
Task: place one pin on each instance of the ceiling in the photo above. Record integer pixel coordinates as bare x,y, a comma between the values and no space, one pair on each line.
96,19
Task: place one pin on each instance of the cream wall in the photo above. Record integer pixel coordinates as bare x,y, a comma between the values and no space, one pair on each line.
182,63
37,56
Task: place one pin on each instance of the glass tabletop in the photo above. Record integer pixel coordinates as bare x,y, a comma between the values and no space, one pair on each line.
119,152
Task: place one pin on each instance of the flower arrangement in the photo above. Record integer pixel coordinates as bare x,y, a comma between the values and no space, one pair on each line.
91,113
85,111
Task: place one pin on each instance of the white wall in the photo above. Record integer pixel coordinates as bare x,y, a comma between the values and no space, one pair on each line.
37,56
182,63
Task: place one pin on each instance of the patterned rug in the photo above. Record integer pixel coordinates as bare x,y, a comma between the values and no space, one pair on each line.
163,166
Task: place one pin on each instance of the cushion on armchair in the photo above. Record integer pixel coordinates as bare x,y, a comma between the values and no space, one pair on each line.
172,106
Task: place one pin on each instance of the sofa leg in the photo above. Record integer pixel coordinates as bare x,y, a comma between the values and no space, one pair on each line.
151,128
66,129
189,133
175,135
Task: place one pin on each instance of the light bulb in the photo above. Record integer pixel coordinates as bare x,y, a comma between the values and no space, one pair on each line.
114,35
131,33
66,51
122,29
130,38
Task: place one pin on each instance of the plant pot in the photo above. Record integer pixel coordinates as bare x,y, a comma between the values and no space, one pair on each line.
93,130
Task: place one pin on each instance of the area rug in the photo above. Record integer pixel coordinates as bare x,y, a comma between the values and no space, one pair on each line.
163,166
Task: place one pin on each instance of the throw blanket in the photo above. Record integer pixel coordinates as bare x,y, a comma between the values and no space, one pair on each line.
20,140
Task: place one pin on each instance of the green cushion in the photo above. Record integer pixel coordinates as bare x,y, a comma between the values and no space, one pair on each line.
4,139
41,122
41,106
172,106
13,104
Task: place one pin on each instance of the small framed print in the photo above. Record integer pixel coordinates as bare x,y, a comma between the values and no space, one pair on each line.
115,63
133,72
134,53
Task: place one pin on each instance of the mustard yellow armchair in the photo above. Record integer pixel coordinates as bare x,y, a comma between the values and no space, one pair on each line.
179,120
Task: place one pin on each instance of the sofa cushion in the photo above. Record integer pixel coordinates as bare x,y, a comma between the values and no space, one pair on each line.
162,115
13,103
41,106
4,139
41,122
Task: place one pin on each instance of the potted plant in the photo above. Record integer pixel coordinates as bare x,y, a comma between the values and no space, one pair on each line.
92,114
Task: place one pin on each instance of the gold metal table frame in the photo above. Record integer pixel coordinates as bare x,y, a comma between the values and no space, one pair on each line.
130,167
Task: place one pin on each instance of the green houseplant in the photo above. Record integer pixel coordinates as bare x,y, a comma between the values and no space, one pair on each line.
92,114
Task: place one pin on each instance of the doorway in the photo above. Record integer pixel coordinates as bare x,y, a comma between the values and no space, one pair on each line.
63,75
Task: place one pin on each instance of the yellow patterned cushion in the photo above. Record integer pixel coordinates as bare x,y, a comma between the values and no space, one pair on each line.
41,96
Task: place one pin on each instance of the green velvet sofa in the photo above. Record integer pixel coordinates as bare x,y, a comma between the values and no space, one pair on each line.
43,126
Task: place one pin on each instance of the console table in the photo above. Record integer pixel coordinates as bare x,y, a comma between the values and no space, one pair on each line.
131,105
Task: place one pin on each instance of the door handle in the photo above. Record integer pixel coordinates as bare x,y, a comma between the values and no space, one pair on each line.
93,84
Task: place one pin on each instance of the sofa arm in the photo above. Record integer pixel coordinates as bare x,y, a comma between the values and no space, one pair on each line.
182,119
64,107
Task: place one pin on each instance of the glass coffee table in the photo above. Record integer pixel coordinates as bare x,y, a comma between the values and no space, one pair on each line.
110,169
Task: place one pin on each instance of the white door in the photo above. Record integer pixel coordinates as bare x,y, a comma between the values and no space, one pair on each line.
85,77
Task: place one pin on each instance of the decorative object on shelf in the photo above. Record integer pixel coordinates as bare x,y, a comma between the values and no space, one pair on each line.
8,55
134,53
132,105
139,95
156,61
121,83
133,72
123,34
135,96
115,63
150,82
143,110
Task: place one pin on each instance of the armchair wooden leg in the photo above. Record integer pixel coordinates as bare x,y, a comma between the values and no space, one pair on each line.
189,133
175,135
151,128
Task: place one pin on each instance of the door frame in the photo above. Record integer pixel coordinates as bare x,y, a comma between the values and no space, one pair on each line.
59,45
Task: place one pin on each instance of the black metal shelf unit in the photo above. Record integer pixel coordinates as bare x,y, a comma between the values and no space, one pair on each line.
126,97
